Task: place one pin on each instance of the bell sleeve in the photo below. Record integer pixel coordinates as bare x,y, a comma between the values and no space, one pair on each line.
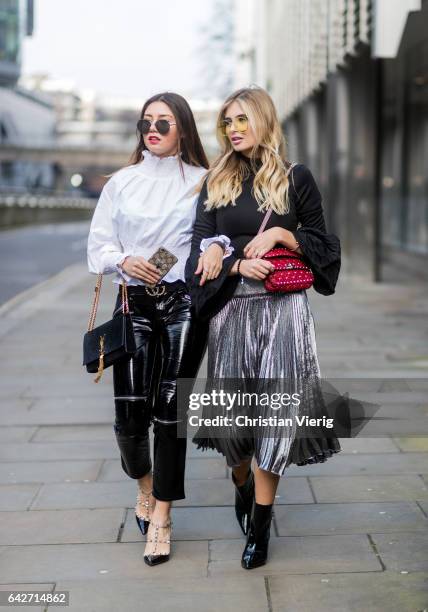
209,298
321,250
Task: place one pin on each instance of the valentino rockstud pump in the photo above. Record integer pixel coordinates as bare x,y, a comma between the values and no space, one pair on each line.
154,557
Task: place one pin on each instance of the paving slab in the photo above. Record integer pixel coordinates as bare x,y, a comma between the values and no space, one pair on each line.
398,487
299,555
11,390
350,592
18,405
59,411
207,594
349,518
412,444
46,387
17,497
16,434
102,562
294,490
48,471
60,526
209,469
86,495
39,451
74,433
403,551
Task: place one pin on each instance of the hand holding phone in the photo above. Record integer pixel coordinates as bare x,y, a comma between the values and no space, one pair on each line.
164,260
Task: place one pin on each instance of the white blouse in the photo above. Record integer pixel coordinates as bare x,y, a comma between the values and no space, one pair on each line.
141,208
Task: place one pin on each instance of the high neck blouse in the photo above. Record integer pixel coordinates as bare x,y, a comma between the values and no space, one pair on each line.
141,208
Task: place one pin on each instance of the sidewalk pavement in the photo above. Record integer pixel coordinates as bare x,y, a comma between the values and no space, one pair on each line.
349,534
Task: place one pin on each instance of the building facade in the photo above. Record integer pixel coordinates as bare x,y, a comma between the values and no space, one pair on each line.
25,118
350,81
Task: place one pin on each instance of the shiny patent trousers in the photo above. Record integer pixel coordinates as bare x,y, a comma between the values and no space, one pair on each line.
170,345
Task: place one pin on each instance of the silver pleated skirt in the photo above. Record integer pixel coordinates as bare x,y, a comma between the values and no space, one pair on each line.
262,336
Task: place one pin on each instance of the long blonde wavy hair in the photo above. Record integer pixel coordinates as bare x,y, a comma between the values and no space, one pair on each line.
229,170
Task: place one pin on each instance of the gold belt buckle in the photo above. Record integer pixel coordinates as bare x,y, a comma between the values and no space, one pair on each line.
156,290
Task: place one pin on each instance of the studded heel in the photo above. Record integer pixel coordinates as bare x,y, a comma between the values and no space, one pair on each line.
155,557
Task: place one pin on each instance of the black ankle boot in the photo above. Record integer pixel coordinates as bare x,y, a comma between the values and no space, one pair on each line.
244,498
256,548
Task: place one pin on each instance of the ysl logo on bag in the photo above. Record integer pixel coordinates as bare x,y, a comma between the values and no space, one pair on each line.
101,362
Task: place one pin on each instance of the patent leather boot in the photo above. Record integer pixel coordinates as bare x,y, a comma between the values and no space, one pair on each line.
256,548
244,498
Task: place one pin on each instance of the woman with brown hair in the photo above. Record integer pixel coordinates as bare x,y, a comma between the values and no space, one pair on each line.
147,205
255,334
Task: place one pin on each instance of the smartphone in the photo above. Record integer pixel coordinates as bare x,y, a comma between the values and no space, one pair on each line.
164,260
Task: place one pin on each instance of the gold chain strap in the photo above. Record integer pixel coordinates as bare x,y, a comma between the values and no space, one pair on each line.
96,299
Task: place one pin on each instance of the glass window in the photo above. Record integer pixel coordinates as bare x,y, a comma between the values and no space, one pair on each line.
416,149
404,180
9,31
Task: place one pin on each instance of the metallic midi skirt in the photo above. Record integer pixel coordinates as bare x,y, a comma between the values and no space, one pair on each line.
268,337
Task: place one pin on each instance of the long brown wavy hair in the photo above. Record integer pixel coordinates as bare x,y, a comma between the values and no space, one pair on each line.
190,149
229,169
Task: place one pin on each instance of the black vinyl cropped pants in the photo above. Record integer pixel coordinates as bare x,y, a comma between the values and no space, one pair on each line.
170,345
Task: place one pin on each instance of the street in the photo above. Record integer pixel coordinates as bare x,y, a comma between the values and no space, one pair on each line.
29,255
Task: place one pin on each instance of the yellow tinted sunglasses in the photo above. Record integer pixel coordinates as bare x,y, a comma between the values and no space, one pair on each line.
239,124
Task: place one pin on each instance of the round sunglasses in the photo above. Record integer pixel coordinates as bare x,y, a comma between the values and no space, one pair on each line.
162,125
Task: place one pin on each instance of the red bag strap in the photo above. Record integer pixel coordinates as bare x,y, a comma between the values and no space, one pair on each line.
269,211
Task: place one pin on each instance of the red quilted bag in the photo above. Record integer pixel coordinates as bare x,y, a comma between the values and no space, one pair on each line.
291,272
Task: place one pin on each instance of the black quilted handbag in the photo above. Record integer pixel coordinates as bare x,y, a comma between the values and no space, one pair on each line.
110,342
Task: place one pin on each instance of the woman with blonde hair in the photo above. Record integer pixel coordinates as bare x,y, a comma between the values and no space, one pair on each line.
256,334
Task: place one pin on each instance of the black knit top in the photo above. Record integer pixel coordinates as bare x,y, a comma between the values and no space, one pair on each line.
241,223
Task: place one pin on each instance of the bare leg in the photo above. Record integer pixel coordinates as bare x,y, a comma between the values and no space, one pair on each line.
241,472
146,501
146,483
266,485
